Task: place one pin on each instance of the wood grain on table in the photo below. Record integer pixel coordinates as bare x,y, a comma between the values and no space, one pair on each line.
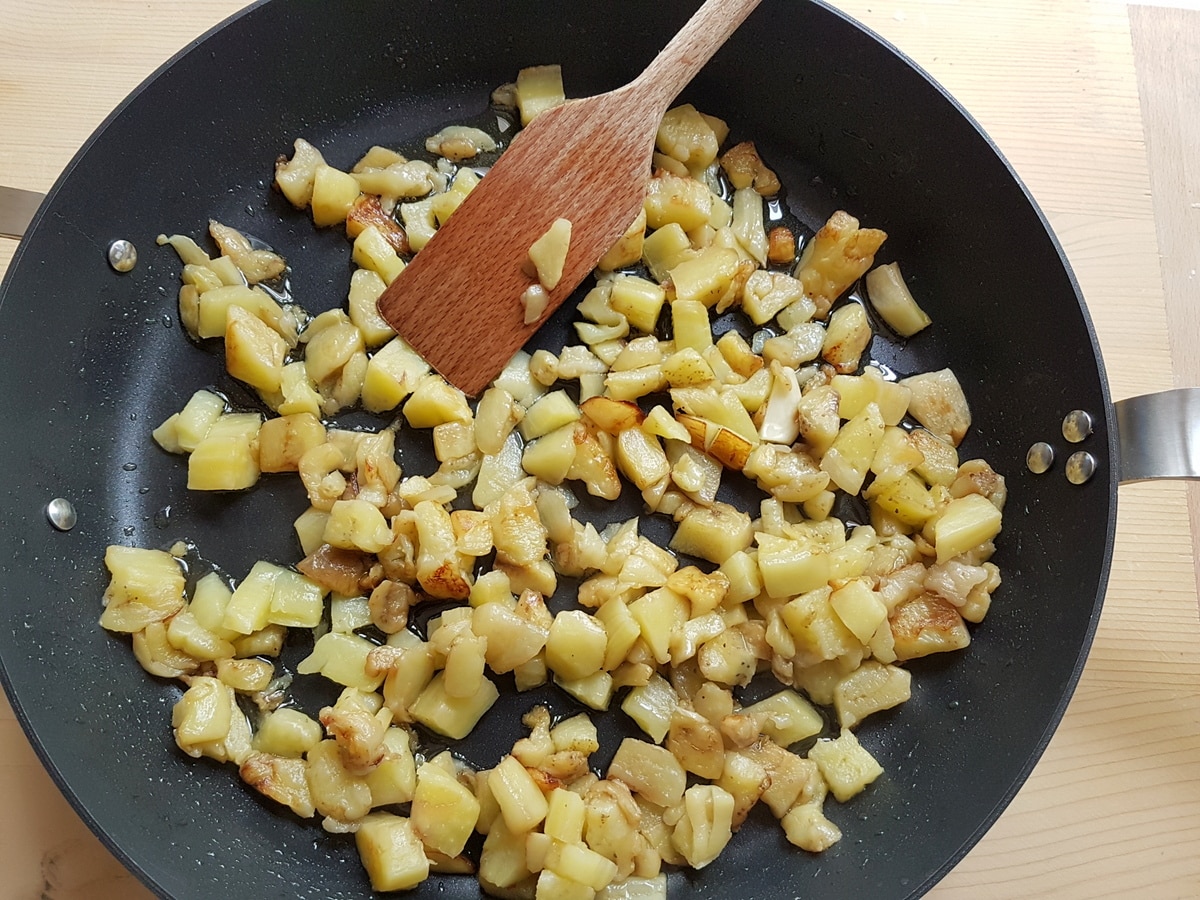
1097,106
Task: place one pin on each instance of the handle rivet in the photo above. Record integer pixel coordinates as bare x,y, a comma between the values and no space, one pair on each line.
1080,467
1077,425
122,255
1039,458
61,514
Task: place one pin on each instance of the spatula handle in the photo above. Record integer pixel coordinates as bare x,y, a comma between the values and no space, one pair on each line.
693,46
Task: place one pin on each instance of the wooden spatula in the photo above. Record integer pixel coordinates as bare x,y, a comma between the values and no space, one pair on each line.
459,302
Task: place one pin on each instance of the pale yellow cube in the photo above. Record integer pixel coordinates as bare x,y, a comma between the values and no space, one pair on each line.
521,802
334,193
391,852
576,645
845,764
444,811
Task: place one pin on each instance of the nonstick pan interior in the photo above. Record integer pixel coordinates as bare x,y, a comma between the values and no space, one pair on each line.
93,361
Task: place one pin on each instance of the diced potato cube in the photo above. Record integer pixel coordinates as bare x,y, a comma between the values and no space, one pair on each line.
706,278
357,525
847,337
628,248
295,176
890,297
186,634
465,180
745,168
226,460
650,770
639,300
849,458
786,717
341,658
686,135
146,586
845,764
203,714
420,222
392,374
287,732
333,194
296,601
547,414
391,852
552,886
697,744
366,287
548,254
651,706
636,888
374,253
565,816
767,293
521,801
612,416
870,688
253,351
551,456
817,631
511,640
706,825
249,608
284,780
714,533
672,199
538,88
580,864
593,690
729,658
744,577
660,614
393,780
940,465
434,401
299,393
745,780
453,717
927,624
790,567
837,257
283,440
664,249
964,524
503,862
197,417
939,404
747,224
576,645
906,498
807,827
444,811
860,608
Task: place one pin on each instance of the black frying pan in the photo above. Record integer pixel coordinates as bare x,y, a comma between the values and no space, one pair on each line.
93,360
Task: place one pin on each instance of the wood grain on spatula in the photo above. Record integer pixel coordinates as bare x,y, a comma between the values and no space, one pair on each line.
459,301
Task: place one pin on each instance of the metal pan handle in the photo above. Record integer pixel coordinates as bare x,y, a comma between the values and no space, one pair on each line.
16,210
1158,435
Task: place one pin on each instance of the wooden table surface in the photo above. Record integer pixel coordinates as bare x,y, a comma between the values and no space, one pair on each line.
1097,106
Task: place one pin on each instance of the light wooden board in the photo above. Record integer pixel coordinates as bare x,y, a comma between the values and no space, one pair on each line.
1091,113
